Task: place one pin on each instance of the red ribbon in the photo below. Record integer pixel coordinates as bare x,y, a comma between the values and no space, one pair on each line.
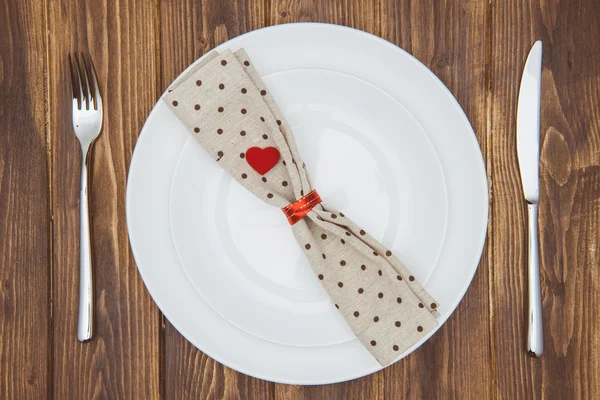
297,210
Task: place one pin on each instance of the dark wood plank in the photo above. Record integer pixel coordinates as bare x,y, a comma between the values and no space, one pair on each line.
364,15
366,388
360,14
569,210
188,30
123,359
25,367
450,39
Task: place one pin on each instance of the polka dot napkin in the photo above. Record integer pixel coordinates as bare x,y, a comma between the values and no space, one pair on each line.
228,109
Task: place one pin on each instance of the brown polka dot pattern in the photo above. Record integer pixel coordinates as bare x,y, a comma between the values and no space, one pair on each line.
224,105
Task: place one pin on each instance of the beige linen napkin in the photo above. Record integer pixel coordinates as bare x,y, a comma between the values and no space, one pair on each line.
228,109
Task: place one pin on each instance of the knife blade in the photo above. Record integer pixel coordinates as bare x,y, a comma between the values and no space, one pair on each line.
528,124
528,154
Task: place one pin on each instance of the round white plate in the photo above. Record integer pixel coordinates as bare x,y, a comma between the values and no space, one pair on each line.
383,140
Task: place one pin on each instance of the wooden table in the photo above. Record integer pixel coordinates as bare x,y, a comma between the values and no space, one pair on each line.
476,47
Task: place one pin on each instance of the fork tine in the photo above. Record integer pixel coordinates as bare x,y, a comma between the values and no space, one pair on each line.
88,74
76,88
94,83
85,80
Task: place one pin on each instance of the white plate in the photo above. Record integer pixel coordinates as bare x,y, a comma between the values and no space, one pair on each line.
384,141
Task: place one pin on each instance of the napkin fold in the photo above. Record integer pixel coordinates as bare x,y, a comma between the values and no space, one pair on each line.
226,106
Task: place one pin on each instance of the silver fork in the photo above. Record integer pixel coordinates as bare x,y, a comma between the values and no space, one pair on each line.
87,123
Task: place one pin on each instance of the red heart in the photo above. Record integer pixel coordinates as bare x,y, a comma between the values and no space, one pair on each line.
262,160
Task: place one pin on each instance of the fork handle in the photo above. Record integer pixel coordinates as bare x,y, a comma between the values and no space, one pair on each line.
535,335
85,324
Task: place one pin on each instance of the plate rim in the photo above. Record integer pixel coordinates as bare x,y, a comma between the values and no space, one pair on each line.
472,139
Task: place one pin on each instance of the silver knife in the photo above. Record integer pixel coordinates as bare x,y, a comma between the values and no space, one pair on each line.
528,151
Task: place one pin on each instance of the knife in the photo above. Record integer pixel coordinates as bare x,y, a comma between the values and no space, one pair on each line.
528,151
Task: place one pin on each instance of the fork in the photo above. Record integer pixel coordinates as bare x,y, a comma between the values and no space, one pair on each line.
87,124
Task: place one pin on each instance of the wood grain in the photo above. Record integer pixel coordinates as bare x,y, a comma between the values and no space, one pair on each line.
456,361
188,30
359,14
569,208
477,48
25,348
123,358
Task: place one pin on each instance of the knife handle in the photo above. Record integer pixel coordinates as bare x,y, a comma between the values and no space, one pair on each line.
535,334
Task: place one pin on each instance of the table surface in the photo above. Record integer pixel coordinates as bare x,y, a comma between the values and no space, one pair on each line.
476,47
